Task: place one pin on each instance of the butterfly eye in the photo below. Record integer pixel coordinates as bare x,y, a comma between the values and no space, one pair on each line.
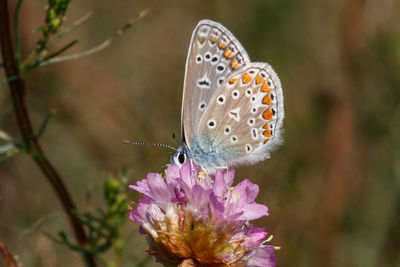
181,158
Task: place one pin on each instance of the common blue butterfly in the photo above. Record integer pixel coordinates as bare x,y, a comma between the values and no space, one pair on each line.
232,109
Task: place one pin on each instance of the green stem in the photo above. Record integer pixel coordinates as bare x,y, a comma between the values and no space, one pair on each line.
29,59
44,125
17,90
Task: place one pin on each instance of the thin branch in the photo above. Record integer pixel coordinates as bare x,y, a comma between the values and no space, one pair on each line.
8,80
45,123
32,55
75,24
39,60
60,51
97,48
37,63
17,90
17,34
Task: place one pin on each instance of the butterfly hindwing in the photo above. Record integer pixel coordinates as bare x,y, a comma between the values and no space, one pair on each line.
244,119
214,54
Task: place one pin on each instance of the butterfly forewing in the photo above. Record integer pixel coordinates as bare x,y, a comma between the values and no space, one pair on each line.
214,54
244,119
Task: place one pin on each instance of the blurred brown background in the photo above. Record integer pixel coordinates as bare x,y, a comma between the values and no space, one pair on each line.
332,188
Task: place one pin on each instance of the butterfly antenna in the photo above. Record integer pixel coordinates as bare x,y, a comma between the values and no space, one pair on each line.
147,144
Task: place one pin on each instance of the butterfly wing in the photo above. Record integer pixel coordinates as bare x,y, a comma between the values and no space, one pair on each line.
243,121
214,53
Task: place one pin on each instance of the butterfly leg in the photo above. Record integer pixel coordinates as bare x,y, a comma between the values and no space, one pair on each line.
226,173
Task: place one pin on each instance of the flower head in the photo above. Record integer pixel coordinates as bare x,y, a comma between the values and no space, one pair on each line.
192,216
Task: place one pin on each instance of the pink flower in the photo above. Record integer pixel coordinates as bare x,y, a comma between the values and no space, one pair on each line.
194,216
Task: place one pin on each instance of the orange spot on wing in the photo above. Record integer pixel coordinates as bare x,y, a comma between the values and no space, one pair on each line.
259,79
265,88
267,114
222,45
246,78
213,39
234,64
233,80
228,54
267,100
267,133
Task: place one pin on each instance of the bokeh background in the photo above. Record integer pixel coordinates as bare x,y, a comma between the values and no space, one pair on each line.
332,189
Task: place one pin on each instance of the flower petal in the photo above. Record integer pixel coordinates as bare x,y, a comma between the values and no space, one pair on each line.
255,236
189,173
139,215
216,207
253,211
228,176
172,172
263,257
141,186
247,191
158,189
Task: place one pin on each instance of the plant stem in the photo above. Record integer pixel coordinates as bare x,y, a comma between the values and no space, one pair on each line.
17,34
17,90
8,257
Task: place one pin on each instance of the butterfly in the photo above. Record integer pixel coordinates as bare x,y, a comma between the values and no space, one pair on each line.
232,108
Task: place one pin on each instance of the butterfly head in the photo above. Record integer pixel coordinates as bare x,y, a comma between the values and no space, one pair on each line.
180,156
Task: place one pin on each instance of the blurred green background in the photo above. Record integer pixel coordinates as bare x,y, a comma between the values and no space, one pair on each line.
332,189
